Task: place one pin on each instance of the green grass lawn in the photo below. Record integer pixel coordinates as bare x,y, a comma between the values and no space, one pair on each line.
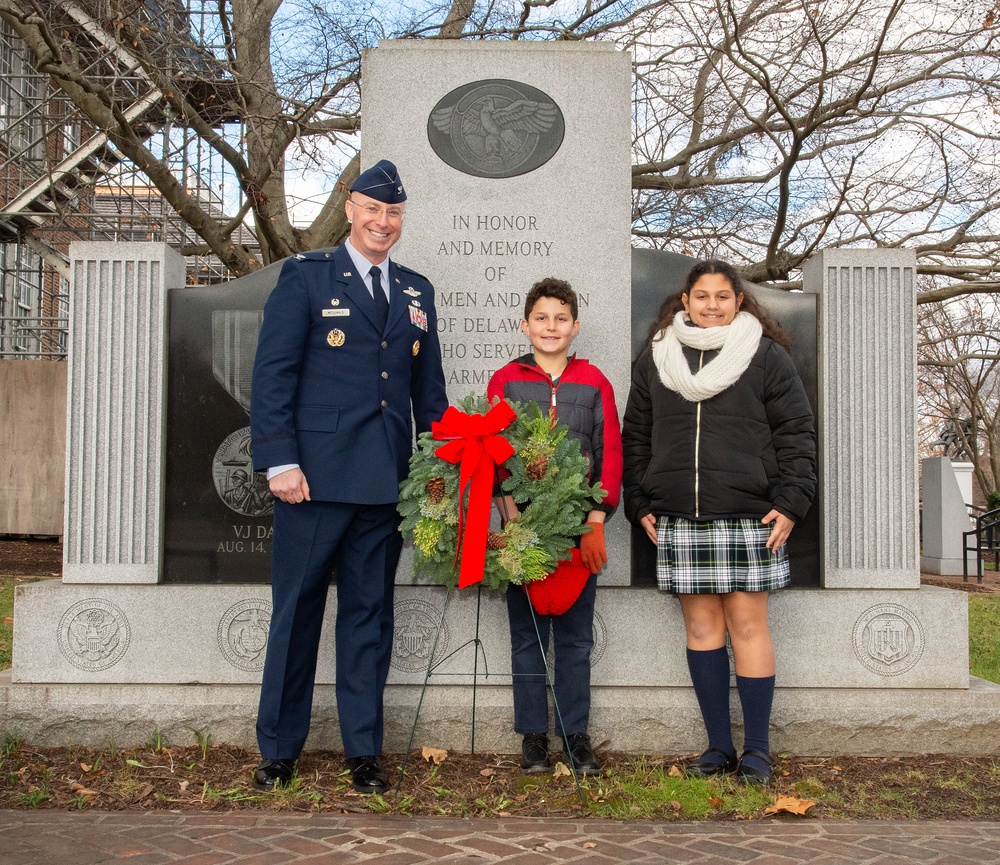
984,636
6,617
7,585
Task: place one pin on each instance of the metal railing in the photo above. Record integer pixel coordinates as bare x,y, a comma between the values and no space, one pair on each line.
984,541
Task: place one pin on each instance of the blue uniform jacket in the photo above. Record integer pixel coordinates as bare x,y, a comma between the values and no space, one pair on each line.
333,394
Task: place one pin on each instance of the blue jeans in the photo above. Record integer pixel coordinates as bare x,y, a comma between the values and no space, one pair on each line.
573,638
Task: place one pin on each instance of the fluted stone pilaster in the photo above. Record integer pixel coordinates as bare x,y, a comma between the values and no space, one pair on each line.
867,422
116,410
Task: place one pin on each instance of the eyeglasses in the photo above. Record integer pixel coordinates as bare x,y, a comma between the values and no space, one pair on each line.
374,210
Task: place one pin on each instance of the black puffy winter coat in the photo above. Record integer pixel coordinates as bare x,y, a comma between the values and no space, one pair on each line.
738,454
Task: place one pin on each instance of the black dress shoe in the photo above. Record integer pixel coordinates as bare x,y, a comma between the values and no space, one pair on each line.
706,767
535,754
273,773
750,773
367,775
578,747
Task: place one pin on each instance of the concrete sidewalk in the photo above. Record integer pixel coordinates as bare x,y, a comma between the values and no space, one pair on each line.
94,838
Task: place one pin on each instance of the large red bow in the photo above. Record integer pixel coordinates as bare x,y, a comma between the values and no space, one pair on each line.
475,441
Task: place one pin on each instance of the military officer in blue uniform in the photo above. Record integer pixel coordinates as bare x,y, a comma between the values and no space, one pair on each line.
348,344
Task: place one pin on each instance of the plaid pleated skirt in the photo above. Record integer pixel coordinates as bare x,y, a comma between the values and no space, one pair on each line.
716,557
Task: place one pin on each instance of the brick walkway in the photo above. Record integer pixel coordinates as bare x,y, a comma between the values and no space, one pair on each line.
55,838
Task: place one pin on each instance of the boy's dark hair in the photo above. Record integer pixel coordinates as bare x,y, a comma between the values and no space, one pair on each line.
673,305
551,287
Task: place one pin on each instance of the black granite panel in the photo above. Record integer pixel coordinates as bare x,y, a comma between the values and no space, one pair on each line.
218,512
657,275
217,516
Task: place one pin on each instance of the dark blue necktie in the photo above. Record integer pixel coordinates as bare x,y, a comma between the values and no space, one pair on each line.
381,301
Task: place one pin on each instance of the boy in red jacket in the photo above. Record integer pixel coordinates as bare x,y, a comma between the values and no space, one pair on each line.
578,395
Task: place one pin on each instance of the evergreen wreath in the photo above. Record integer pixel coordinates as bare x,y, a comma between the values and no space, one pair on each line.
547,473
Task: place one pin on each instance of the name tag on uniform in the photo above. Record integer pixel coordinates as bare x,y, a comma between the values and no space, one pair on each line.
335,313
418,317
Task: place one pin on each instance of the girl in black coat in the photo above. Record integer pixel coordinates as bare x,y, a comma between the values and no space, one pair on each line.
720,463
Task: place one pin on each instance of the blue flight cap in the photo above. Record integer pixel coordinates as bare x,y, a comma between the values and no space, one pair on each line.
381,182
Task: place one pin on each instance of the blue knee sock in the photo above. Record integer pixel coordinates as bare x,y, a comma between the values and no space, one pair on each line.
756,696
710,677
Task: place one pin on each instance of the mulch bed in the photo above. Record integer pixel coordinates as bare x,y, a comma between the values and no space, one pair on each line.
989,585
218,779
22,557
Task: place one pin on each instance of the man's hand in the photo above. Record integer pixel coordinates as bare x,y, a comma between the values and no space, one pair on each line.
291,486
780,531
648,522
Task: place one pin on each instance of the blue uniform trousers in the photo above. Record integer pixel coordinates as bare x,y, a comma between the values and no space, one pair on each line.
573,638
310,540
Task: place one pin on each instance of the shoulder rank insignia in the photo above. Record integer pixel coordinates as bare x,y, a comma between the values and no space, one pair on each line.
335,337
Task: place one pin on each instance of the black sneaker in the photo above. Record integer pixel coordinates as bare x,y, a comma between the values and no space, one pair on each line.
535,754
577,746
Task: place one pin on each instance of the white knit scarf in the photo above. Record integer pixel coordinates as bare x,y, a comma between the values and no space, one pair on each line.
737,342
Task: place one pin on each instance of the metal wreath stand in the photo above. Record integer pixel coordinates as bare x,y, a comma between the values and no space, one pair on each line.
477,645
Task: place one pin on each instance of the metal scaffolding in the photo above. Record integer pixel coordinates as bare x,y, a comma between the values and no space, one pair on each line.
61,180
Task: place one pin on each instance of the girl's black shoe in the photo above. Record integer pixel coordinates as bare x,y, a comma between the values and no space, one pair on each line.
751,773
706,766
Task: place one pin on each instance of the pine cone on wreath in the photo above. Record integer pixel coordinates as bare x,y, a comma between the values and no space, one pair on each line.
495,541
435,489
537,468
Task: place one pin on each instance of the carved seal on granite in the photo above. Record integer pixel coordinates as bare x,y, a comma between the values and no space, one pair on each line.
600,640
888,639
413,641
243,632
93,634
243,490
596,653
496,128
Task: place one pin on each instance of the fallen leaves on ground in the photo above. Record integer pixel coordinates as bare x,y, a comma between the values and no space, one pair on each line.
434,755
790,805
218,778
